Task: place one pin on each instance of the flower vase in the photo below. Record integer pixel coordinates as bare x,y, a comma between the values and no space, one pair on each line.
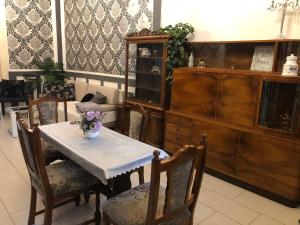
90,134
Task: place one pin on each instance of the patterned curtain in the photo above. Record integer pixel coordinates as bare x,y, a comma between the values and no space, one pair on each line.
3,44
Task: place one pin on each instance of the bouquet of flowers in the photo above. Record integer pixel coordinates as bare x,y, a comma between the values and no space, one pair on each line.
91,121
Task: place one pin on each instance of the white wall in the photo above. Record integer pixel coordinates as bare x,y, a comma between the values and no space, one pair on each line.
3,44
221,20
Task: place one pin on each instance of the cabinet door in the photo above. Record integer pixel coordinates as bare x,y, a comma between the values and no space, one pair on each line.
155,131
237,99
270,163
221,148
195,93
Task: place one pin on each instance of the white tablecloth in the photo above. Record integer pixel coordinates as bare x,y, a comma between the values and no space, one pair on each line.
106,156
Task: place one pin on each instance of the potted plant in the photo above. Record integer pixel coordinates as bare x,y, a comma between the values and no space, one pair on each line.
176,53
54,76
90,123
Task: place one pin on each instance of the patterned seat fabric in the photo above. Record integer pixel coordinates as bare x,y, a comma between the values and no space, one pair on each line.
66,176
51,153
135,126
130,207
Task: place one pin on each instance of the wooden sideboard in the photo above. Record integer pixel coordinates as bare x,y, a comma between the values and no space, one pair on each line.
250,141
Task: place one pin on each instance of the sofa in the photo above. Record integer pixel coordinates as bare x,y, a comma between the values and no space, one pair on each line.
109,108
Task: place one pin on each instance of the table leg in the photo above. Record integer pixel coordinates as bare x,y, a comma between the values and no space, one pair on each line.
3,108
97,215
121,183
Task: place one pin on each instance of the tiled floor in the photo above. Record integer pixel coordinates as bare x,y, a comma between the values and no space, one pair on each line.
220,203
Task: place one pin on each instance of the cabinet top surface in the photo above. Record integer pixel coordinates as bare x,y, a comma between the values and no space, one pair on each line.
235,72
155,37
244,41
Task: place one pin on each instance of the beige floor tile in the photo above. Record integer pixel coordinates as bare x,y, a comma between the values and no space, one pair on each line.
4,216
263,220
218,219
8,174
70,214
24,174
15,196
3,159
21,218
221,187
228,207
281,213
203,188
201,213
135,179
147,169
17,160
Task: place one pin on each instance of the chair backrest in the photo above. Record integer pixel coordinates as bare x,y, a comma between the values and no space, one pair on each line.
30,142
135,122
184,172
47,109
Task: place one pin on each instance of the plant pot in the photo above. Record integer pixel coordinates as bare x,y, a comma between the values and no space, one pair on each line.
91,134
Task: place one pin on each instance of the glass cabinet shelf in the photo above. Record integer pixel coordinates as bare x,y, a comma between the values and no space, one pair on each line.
280,106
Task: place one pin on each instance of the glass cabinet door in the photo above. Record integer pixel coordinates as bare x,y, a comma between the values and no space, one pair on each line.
145,72
280,106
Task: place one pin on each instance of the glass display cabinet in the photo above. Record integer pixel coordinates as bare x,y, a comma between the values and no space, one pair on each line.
146,70
145,80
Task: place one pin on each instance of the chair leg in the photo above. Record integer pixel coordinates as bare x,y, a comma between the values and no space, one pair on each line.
86,196
97,215
77,200
32,209
141,175
48,212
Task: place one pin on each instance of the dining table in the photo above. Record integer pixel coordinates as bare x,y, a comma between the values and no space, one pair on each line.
109,157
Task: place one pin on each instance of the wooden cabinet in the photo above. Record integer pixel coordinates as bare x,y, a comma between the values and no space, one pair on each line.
252,120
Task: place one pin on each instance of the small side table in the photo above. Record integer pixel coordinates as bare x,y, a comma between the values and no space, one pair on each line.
12,111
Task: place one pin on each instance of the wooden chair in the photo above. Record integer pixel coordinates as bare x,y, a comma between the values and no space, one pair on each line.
135,124
151,204
57,183
46,107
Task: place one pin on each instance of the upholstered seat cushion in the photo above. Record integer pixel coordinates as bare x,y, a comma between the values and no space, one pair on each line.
130,207
67,176
91,106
